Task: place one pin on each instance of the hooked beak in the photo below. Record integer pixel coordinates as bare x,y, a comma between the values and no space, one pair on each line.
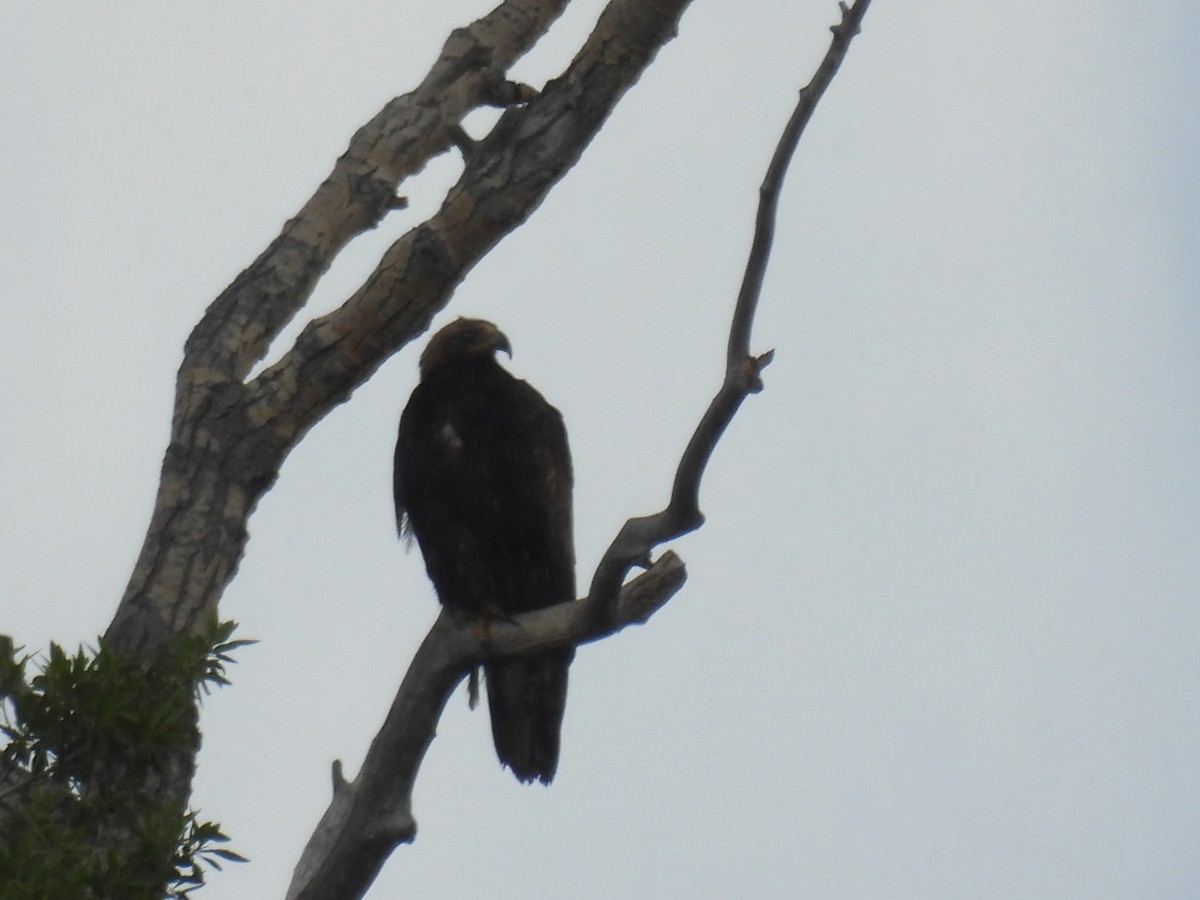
500,342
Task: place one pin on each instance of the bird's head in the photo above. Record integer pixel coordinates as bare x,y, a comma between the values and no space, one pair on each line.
463,339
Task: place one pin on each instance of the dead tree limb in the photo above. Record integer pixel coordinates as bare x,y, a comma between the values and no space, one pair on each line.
369,817
635,543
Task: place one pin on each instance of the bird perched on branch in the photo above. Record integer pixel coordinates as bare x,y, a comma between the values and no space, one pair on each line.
483,481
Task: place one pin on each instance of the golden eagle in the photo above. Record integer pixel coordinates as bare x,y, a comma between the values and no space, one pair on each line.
483,480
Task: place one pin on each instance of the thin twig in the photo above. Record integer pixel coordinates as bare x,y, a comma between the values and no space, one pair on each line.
635,542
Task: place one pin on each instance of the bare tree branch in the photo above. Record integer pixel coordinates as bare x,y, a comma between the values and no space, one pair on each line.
507,175
637,539
369,817
410,130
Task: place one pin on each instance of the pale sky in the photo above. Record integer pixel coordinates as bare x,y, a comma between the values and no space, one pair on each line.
941,637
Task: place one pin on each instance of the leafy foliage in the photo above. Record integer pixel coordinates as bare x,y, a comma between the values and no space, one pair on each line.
85,739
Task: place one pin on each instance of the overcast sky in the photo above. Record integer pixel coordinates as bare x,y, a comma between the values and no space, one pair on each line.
941,637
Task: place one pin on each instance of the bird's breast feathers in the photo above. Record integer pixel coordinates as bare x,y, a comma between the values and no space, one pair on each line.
448,436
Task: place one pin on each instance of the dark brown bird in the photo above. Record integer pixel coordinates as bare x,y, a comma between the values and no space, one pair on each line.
483,481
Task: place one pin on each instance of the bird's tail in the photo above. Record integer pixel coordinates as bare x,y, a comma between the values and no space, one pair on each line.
526,697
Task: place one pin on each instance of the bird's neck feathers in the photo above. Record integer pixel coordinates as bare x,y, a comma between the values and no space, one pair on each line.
465,370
